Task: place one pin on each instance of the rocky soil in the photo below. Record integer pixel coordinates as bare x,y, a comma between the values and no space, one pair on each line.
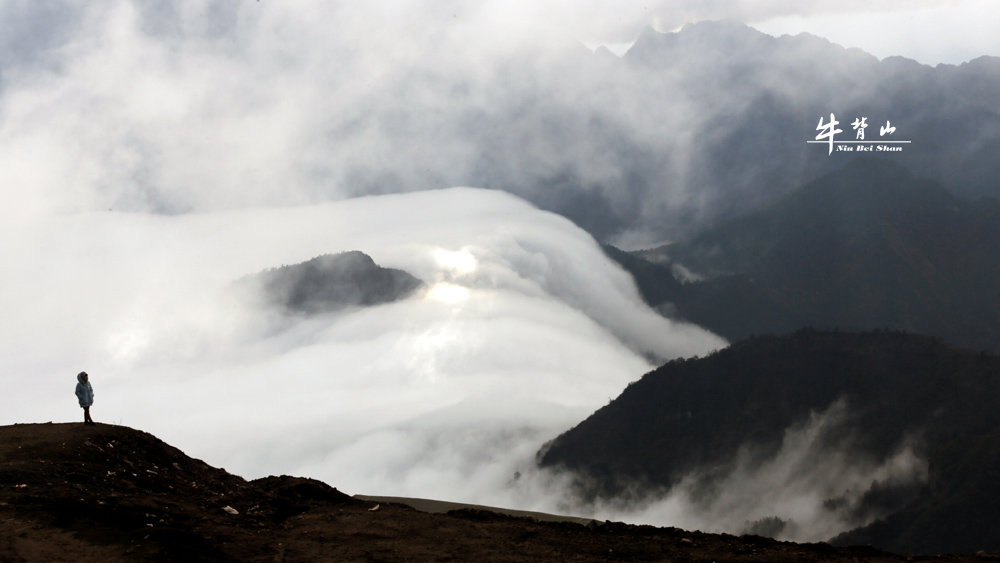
70,492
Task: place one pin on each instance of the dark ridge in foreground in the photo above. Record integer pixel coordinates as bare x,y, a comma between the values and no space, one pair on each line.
106,493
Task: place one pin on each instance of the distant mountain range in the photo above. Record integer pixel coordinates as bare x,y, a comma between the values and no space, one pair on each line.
760,98
777,236
866,247
698,125
863,397
330,282
688,128
699,137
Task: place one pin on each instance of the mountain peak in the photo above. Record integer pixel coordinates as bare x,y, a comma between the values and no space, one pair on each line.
719,27
720,35
332,282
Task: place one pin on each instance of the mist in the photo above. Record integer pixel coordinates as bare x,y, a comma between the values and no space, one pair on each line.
153,153
816,485
171,108
524,328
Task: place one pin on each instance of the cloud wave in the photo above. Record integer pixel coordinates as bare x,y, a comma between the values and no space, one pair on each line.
525,328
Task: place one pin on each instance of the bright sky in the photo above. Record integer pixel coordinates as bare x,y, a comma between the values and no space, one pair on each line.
928,31
949,32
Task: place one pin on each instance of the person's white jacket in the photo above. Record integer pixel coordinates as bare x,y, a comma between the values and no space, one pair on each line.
84,392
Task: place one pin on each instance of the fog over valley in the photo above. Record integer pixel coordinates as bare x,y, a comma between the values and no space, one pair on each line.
523,328
540,203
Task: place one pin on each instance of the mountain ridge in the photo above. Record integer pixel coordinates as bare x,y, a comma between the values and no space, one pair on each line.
868,246
330,282
705,131
868,397
97,493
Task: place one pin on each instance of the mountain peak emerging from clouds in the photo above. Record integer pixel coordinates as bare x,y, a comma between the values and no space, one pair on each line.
736,39
722,35
334,281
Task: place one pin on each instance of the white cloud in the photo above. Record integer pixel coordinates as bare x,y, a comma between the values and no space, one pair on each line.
227,115
396,399
202,106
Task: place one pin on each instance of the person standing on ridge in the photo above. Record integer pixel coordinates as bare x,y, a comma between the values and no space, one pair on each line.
85,393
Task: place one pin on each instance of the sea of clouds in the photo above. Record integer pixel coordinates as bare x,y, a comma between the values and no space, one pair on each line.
153,153
523,329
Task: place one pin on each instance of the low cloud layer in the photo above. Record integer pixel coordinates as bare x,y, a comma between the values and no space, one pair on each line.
153,152
524,329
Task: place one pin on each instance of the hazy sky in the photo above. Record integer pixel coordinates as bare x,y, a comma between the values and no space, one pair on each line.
154,151
524,329
930,32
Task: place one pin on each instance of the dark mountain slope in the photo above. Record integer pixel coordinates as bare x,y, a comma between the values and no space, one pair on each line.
765,95
869,246
960,505
109,493
700,415
332,282
656,282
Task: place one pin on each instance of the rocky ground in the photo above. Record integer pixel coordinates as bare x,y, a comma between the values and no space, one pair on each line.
70,492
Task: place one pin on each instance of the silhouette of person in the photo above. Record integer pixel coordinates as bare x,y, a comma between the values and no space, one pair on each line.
85,393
